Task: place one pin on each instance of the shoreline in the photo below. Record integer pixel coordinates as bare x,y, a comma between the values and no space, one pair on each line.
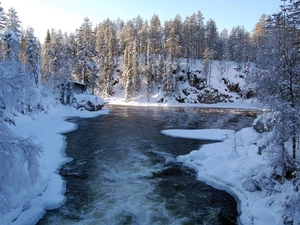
48,130
55,123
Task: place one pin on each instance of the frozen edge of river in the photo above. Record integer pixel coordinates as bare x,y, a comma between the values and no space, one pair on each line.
31,203
230,165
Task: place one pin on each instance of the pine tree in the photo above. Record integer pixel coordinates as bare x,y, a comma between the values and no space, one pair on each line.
200,35
211,35
2,28
173,37
143,37
108,75
148,71
155,35
137,83
128,73
207,64
168,82
33,53
127,34
257,37
190,37
160,71
46,58
2,20
13,23
239,44
224,51
86,68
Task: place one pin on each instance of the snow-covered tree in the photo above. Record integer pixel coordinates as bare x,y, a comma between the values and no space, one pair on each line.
128,73
211,35
46,58
173,36
108,75
160,71
278,78
148,71
13,23
2,27
168,81
239,44
2,20
135,68
207,64
19,165
11,46
86,68
200,35
143,37
155,34
33,52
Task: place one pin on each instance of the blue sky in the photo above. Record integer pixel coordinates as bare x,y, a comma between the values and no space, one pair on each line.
68,15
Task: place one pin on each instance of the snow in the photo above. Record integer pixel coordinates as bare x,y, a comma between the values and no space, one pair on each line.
32,202
230,163
205,134
233,165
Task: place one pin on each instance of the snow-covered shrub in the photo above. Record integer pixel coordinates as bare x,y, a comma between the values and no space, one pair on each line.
88,102
258,181
19,166
292,198
12,45
265,122
18,92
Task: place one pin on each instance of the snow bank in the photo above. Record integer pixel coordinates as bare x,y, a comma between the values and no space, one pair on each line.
143,102
234,165
87,102
205,134
32,202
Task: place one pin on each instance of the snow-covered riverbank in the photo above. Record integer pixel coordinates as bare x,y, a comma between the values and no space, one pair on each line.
229,165
31,201
234,165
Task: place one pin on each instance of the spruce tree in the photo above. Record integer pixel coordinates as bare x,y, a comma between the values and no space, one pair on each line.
168,81
86,67
13,23
148,71
135,68
33,55
207,64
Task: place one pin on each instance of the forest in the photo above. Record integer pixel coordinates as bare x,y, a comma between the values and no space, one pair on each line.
145,57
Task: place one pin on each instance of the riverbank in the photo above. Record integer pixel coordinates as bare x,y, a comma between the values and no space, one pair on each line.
234,165
249,104
30,204
49,193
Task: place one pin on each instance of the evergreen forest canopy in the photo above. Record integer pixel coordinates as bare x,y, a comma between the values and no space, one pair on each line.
146,56
142,53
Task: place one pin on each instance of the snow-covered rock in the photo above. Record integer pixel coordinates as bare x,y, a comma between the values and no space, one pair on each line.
87,102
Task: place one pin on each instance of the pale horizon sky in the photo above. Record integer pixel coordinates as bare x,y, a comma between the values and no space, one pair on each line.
68,15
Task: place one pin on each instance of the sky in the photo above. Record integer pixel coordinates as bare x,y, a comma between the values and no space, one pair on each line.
67,15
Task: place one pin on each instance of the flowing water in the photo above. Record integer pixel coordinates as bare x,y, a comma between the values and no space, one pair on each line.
124,171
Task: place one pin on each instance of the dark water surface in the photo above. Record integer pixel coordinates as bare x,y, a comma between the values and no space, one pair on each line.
124,171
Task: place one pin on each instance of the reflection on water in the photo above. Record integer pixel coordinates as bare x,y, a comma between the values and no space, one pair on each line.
124,171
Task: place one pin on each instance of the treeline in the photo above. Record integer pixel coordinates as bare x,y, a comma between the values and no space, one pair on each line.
138,51
142,50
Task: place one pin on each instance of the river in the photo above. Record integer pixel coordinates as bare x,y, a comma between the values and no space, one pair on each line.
124,171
